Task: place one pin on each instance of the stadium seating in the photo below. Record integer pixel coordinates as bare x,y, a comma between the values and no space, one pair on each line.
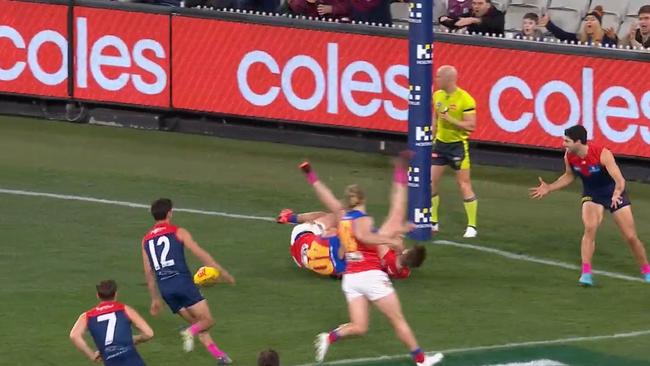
634,6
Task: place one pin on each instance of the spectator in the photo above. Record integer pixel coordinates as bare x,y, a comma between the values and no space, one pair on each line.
320,8
377,11
529,28
485,19
459,8
592,31
639,35
268,358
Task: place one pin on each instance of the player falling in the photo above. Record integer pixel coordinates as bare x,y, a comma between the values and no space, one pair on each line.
603,188
109,324
364,281
163,254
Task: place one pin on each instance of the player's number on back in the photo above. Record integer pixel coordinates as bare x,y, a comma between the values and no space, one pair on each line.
164,262
110,328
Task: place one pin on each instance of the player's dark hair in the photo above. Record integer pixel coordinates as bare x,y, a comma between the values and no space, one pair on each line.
532,16
576,133
645,9
160,208
106,290
268,358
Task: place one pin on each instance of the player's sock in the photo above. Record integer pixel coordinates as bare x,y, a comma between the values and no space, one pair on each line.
418,355
334,336
645,269
194,329
471,209
400,176
215,351
586,268
435,202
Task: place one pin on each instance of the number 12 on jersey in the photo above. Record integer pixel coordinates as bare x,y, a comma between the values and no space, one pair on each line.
164,262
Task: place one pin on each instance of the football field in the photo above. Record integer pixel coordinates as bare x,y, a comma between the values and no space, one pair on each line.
73,202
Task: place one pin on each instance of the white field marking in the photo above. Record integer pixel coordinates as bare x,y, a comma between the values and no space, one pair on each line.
527,258
533,363
503,253
128,204
490,348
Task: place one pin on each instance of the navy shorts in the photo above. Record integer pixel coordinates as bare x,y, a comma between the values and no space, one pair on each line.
130,359
179,293
606,201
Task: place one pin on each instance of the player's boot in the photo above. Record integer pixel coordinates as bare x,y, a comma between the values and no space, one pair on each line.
431,360
435,228
470,232
322,344
284,216
586,280
188,340
305,167
224,360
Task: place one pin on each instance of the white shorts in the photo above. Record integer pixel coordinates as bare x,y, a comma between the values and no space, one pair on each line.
373,285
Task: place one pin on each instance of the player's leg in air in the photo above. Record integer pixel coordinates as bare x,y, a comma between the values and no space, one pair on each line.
201,319
624,219
398,265
592,216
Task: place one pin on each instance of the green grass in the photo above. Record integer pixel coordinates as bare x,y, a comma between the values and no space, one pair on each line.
56,250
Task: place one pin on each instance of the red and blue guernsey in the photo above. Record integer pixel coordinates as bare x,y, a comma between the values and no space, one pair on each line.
598,185
110,328
166,254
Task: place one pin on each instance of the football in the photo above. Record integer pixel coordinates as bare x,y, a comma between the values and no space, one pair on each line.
206,276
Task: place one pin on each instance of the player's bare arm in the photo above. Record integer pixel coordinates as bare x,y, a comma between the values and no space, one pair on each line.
468,123
203,256
544,188
608,161
146,333
156,304
77,338
363,232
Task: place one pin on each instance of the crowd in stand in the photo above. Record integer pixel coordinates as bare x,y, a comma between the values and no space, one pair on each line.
468,16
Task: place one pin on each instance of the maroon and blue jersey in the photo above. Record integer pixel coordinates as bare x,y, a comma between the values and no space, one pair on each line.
166,254
596,180
110,328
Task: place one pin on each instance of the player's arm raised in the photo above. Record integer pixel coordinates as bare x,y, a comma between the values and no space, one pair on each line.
544,188
363,232
77,338
608,161
146,333
156,304
200,253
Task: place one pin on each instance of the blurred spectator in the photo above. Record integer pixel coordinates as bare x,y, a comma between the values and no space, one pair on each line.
320,8
529,28
377,11
639,35
268,358
459,8
485,18
592,31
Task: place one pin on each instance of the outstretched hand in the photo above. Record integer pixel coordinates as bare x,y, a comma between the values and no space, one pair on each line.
540,191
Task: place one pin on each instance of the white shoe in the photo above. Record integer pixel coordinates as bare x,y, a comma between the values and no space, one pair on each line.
432,360
470,232
188,340
322,344
435,228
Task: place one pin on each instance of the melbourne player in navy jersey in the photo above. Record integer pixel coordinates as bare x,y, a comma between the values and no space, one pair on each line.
603,189
163,254
109,324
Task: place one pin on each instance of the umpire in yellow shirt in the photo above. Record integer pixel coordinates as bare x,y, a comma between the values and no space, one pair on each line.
455,116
